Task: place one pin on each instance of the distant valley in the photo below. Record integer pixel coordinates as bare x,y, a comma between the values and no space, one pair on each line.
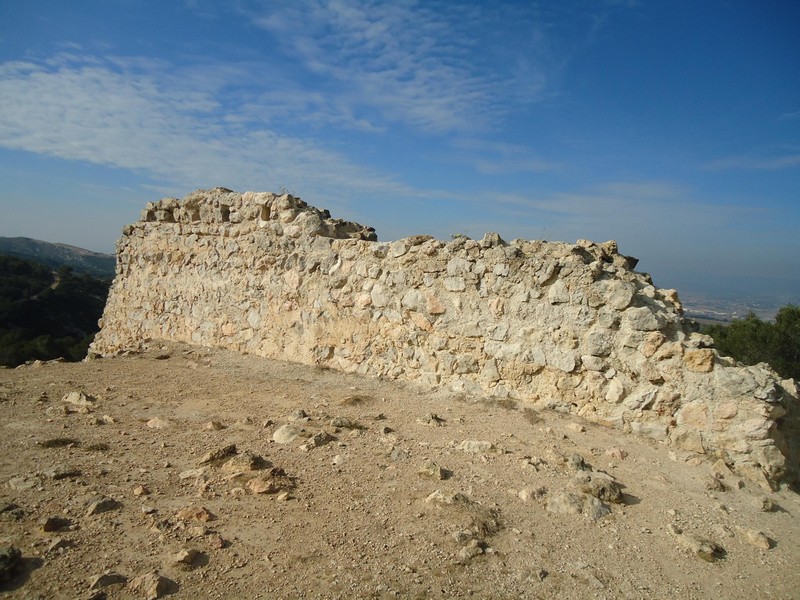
55,256
721,308
49,310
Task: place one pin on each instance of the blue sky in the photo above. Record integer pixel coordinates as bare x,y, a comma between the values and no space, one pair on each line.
672,127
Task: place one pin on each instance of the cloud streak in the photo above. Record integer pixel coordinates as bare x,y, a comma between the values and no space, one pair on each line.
130,114
407,62
499,158
787,161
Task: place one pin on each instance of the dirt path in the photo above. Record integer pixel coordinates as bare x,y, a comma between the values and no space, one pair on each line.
353,516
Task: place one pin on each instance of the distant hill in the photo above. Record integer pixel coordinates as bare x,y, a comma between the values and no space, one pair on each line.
56,256
46,314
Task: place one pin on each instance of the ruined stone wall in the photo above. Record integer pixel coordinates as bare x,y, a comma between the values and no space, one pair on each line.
566,326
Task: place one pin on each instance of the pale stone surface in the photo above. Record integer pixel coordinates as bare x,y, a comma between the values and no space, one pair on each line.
592,363
694,414
600,485
106,579
101,505
687,439
701,360
642,319
619,294
286,434
551,324
78,399
705,549
652,343
757,539
151,586
577,504
475,446
616,391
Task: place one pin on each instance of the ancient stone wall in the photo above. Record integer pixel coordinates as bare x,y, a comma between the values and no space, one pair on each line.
566,326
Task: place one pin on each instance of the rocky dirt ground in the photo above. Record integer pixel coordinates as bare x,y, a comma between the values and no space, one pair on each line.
193,473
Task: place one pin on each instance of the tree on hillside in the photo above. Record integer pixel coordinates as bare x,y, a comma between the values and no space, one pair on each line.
751,340
787,342
46,315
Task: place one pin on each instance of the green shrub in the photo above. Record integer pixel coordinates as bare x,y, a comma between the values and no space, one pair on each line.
751,340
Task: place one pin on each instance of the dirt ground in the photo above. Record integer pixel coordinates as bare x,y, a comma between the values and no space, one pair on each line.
117,484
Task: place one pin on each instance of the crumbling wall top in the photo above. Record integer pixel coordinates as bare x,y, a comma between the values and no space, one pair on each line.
223,207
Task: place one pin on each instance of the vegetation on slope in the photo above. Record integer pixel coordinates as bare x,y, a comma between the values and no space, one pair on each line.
751,340
56,256
46,314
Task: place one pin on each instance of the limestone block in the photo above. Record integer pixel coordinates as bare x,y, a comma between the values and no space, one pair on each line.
669,350
687,439
380,296
363,300
497,307
694,415
641,399
700,360
642,319
490,372
618,294
501,269
558,293
471,329
420,321
667,401
615,392
652,342
726,410
593,363
458,266
413,300
466,364
752,429
608,319
398,249
499,332
561,360
651,373
771,460
503,351
598,342
433,305
437,342
454,284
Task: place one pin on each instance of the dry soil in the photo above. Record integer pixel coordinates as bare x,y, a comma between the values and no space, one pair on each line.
349,507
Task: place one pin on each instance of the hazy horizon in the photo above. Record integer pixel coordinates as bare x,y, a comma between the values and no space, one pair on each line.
674,130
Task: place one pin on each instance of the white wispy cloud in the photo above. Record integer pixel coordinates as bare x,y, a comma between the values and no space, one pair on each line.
498,158
347,66
759,163
135,114
408,62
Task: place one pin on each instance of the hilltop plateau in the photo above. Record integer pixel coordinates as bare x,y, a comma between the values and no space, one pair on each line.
234,476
